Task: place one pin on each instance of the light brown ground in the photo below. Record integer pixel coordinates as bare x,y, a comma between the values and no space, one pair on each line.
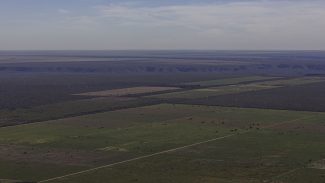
318,165
127,91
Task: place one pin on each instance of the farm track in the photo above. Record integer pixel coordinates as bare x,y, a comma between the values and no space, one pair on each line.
176,149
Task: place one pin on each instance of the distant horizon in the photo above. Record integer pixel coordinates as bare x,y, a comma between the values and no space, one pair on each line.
162,25
199,50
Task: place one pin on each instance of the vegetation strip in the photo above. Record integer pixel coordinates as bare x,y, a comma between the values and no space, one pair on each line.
167,151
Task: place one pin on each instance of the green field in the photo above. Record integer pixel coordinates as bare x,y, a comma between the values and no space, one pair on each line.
264,156
231,81
263,145
67,109
238,88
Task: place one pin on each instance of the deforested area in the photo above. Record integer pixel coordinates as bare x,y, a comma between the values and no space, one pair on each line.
173,91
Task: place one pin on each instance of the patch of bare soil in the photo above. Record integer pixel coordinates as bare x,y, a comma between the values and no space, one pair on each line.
318,165
127,91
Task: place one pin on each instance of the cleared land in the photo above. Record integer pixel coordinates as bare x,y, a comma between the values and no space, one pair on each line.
238,88
65,146
308,97
213,91
68,109
127,91
175,134
229,81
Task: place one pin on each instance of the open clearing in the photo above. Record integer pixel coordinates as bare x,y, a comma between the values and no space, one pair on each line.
237,157
59,147
68,109
306,97
231,81
128,91
238,88
162,117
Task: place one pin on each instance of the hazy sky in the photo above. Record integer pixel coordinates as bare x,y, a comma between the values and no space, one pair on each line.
162,24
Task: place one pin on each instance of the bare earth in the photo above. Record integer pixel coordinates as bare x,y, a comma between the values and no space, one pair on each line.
128,91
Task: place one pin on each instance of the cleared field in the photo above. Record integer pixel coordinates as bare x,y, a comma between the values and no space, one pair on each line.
67,109
229,81
308,97
79,143
239,88
263,156
295,81
127,91
214,91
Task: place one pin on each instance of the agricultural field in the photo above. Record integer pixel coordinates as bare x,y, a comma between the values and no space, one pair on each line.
128,91
162,117
41,151
307,97
231,81
68,109
213,91
207,92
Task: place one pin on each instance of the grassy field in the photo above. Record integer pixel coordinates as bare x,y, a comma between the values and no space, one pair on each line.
238,88
230,81
69,145
128,91
213,91
264,156
307,97
67,109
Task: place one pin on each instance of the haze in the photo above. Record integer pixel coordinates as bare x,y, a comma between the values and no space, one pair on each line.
148,24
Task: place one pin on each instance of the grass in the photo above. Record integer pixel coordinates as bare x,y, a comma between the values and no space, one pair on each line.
213,91
303,175
229,81
253,157
124,134
66,109
238,88
128,91
33,171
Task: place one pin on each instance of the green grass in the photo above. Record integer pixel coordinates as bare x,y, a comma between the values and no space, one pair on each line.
228,81
214,91
304,175
111,128
32,171
253,157
65,109
128,133
238,88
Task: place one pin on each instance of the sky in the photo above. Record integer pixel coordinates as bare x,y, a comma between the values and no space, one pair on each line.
162,24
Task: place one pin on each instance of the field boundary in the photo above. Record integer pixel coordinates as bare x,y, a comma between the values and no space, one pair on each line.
170,150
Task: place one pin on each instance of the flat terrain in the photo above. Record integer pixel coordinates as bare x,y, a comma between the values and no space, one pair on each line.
69,109
176,117
60,147
128,91
308,97
229,88
229,81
